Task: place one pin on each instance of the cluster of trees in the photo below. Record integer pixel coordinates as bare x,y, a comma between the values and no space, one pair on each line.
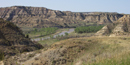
88,29
49,30
43,31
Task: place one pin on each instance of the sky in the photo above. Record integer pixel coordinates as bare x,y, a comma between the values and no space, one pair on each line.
120,6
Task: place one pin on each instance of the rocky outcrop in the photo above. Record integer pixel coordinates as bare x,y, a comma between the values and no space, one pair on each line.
103,31
119,28
43,17
12,41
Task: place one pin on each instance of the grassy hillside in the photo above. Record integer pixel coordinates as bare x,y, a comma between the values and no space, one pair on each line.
94,50
86,51
108,51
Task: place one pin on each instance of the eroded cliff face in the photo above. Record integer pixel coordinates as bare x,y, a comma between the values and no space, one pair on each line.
120,28
104,31
43,17
12,41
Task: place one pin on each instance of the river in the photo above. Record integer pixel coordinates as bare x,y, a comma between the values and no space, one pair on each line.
59,34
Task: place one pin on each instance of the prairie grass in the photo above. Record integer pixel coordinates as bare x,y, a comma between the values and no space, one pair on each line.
86,51
48,42
108,51
96,50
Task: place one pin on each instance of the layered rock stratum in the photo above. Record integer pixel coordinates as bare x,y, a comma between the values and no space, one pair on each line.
120,28
39,17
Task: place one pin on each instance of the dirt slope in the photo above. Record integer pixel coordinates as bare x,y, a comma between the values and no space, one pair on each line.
12,41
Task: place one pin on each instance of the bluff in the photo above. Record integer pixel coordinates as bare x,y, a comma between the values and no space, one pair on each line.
120,28
40,17
12,41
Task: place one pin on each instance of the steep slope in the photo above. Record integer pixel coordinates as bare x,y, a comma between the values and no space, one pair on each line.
119,28
13,41
123,26
42,17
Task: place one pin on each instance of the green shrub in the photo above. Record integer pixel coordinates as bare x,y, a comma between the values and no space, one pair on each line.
1,55
26,36
51,37
66,34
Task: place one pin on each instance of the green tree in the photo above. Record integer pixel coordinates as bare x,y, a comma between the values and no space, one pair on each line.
1,55
41,34
66,33
35,29
51,37
88,29
26,36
